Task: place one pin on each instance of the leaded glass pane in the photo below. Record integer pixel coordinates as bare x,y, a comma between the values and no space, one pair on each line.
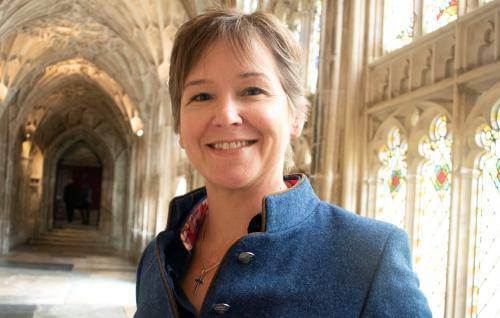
398,24
391,183
486,256
438,13
433,213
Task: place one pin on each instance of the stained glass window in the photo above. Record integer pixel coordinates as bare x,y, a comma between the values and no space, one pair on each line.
313,54
391,183
438,13
398,24
433,212
486,247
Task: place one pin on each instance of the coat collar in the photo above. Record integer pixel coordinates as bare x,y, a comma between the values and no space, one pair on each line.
288,208
280,211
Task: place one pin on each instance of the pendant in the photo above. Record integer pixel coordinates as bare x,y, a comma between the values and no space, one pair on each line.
200,280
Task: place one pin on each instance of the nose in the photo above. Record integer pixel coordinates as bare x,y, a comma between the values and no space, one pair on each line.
227,113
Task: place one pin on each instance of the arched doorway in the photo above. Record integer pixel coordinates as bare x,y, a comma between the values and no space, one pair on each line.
77,199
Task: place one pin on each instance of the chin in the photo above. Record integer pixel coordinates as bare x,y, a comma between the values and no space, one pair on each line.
230,180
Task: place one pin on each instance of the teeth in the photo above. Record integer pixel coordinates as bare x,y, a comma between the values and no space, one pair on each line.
231,145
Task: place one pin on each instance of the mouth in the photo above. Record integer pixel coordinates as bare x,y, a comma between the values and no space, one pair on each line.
230,145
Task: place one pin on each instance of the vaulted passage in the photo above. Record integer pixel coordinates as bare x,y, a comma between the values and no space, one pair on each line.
86,150
84,130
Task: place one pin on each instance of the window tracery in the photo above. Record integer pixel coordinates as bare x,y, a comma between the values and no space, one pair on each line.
433,213
486,243
391,184
453,231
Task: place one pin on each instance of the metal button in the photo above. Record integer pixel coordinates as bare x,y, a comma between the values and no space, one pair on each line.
221,308
245,257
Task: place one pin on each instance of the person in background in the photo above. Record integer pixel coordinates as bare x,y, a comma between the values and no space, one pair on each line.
255,242
70,198
86,192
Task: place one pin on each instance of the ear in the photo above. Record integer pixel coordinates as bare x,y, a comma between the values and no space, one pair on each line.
297,126
298,121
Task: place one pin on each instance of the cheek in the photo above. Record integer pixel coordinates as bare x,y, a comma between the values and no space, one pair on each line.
185,132
274,110
275,123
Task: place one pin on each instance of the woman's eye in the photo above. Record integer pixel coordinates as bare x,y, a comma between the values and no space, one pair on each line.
252,91
200,97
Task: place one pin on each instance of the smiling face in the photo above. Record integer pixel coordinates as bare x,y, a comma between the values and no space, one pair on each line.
235,122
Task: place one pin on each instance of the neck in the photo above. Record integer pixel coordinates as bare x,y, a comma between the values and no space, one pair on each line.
232,209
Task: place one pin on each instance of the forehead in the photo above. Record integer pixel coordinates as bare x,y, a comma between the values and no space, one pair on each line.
226,55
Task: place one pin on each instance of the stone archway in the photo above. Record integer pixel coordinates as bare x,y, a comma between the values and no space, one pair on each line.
111,200
77,200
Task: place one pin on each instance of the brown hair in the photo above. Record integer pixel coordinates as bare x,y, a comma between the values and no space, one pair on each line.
197,34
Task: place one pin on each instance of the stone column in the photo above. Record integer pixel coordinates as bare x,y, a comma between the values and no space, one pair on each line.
328,113
460,210
339,132
411,199
462,278
4,215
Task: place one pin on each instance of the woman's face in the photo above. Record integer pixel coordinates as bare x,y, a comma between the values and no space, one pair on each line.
235,122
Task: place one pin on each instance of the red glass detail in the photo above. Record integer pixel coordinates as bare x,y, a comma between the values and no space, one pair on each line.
395,181
441,177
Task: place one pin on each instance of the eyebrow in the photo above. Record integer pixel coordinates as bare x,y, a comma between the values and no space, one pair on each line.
242,75
253,74
197,82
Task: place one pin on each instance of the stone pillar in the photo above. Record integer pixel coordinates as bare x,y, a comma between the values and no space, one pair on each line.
168,174
370,192
4,215
339,133
328,113
411,198
353,102
460,210
462,279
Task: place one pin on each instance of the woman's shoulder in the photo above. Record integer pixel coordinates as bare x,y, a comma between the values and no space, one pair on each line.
354,228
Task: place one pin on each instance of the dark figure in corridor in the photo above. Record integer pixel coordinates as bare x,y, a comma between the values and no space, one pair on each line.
86,193
70,196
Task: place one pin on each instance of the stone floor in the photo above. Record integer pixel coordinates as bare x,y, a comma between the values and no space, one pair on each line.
53,281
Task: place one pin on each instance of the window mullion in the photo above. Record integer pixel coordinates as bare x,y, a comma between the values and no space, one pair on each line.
418,13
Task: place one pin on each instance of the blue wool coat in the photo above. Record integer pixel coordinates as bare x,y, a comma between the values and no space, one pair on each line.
312,259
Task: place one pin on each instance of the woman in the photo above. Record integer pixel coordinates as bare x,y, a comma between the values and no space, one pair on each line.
253,242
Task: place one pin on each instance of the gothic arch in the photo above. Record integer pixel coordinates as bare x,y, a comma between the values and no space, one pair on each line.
480,114
430,111
380,139
79,69
109,162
